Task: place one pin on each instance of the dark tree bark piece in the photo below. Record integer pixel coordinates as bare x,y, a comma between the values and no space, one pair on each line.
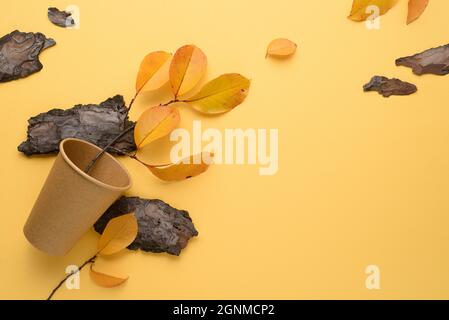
433,61
162,228
60,18
98,124
388,87
19,54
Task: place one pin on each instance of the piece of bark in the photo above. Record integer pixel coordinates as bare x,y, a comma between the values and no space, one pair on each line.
162,228
19,54
432,61
60,18
388,87
98,124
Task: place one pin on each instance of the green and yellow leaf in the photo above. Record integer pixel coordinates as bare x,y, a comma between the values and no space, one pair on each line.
119,233
105,280
187,69
185,169
154,124
416,9
221,94
153,71
360,8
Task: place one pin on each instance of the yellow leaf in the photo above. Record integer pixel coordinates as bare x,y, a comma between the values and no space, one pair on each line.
416,9
119,233
187,168
153,71
106,280
361,11
221,94
154,124
187,68
281,48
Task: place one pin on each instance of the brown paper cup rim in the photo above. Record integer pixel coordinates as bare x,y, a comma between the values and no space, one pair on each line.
88,177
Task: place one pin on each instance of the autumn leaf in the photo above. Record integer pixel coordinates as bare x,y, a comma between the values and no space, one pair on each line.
186,168
281,48
153,71
360,8
416,9
154,124
221,94
106,280
119,233
187,68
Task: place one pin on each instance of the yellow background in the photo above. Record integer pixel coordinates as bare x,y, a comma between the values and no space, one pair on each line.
362,179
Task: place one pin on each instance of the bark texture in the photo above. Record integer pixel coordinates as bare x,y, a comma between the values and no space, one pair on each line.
388,87
19,54
162,228
60,18
98,124
433,61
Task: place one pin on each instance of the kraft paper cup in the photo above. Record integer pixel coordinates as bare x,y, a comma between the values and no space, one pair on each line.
71,201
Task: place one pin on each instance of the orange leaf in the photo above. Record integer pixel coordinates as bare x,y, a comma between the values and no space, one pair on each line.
119,233
361,8
416,9
106,280
186,168
153,71
281,48
187,68
154,124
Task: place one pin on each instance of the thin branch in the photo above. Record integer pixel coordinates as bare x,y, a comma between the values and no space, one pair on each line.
170,102
132,102
90,260
134,156
102,152
109,146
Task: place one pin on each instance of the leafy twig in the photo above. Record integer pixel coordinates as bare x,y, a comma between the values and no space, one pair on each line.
90,260
109,146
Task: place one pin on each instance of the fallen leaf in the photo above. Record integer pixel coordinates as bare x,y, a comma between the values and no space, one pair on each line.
416,9
281,48
153,71
154,124
187,168
360,8
106,280
221,94
187,68
119,233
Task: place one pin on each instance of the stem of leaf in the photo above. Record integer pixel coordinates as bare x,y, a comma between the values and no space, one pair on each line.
88,261
132,102
134,157
170,102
